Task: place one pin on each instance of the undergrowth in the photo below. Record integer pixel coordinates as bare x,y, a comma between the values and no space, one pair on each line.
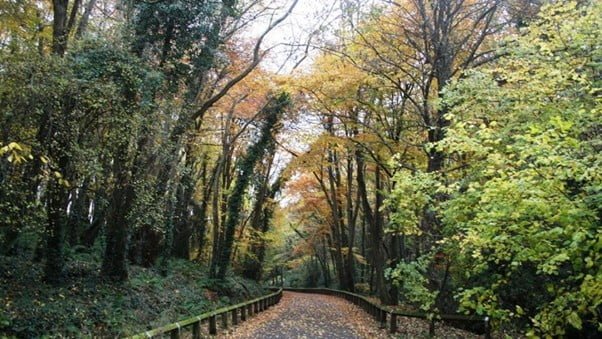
86,306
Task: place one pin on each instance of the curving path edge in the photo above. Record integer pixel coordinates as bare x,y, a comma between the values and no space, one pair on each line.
303,315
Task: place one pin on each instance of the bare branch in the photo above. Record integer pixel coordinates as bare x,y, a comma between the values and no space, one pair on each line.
257,57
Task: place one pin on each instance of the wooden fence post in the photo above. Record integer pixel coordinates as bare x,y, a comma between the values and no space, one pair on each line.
383,319
432,328
196,330
487,328
195,324
235,316
212,325
393,327
225,320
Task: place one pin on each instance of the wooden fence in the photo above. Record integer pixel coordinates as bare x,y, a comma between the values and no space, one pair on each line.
387,316
236,313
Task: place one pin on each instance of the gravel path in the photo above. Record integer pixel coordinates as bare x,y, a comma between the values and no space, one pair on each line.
301,315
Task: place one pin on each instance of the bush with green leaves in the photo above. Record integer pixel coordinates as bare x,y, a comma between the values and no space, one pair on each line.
522,222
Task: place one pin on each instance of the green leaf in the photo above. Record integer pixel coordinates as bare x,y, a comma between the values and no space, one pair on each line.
574,319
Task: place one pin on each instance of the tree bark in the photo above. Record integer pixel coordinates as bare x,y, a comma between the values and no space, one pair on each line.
182,224
55,231
82,27
114,262
273,110
260,223
59,27
377,234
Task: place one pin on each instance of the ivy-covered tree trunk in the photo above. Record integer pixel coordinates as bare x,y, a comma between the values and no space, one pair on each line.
199,222
272,111
79,213
182,223
253,262
260,223
58,143
50,136
55,230
57,195
114,261
253,265
127,166
377,234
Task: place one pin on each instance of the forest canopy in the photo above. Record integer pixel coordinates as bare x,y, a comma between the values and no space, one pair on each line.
443,156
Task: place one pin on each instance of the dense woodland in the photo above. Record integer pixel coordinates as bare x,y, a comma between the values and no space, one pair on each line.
441,155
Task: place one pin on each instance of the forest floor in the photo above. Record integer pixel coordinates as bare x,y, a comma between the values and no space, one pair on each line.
302,315
87,306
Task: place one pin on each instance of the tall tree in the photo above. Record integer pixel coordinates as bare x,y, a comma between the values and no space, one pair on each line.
273,112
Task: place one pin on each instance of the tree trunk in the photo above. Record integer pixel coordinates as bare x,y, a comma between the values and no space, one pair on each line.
260,223
56,212
59,27
114,262
351,221
182,225
78,217
216,219
199,222
56,195
83,22
336,226
377,234
273,110
325,267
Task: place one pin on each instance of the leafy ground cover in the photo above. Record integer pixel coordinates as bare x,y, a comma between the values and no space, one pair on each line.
88,306
304,315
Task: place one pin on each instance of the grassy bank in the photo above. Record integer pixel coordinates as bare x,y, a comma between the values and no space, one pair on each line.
87,306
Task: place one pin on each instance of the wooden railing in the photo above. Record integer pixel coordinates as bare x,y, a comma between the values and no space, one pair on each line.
237,313
386,315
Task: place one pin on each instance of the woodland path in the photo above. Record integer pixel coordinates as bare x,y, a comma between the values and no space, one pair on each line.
302,315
